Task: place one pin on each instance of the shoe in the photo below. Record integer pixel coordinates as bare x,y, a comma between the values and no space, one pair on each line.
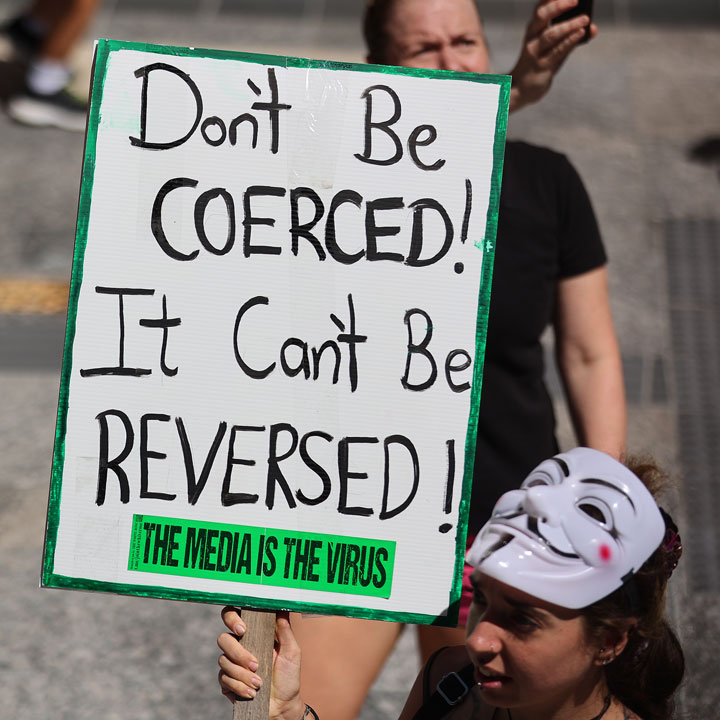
17,41
60,110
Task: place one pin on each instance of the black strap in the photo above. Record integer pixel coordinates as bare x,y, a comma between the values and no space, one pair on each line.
427,672
450,691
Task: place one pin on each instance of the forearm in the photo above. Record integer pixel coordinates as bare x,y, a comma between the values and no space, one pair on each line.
517,99
596,398
296,710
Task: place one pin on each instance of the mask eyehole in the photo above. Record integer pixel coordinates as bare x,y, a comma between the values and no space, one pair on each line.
594,512
537,481
502,541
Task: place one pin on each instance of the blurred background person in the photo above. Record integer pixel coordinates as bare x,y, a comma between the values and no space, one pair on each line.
549,268
43,36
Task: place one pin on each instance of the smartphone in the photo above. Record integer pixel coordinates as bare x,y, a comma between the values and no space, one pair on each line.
584,7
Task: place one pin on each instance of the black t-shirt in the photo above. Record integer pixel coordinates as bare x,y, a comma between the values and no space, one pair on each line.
546,231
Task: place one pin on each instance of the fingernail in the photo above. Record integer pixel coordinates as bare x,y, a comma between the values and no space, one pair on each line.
256,681
253,666
239,628
251,693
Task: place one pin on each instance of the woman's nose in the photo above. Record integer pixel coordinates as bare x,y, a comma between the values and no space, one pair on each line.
540,503
449,59
484,642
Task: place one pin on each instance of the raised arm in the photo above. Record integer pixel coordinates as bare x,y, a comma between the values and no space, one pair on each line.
589,360
545,48
238,678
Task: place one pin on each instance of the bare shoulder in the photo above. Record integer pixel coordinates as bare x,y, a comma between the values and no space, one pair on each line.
454,659
450,659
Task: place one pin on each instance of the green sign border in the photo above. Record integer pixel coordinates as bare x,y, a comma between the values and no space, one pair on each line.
49,577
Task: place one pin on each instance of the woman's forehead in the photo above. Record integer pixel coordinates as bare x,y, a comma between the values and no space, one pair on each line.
430,15
513,596
487,584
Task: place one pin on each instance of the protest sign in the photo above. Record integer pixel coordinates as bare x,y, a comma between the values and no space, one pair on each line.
275,332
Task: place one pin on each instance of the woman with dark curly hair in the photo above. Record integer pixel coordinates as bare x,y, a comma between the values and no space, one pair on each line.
567,620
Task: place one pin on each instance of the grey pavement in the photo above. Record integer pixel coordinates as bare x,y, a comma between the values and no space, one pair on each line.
627,109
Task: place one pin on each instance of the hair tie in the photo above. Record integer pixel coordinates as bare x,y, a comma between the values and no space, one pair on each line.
640,650
672,542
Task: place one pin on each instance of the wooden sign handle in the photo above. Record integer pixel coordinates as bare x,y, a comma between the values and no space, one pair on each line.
259,639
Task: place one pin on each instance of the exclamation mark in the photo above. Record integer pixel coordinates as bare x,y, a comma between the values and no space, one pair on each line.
449,485
459,267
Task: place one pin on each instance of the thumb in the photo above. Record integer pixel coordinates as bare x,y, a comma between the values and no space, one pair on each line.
286,644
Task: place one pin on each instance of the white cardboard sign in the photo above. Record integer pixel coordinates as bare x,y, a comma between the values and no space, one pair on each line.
275,332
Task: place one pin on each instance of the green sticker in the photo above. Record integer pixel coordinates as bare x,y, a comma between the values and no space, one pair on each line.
261,556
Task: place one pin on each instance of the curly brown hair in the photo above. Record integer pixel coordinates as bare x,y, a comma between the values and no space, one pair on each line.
647,673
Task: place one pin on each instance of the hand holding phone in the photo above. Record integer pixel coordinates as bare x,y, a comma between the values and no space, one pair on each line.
584,7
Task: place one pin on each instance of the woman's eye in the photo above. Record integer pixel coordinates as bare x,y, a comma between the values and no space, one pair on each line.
479,600
525,623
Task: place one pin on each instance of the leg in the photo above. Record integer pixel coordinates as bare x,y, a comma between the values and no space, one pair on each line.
341,659
47,12
44,101
68,29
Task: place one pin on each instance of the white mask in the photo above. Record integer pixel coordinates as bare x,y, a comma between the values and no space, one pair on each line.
578,527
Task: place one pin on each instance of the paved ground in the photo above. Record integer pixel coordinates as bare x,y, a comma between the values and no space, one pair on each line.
627,110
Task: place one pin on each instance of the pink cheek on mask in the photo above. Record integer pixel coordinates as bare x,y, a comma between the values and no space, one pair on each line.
605,553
